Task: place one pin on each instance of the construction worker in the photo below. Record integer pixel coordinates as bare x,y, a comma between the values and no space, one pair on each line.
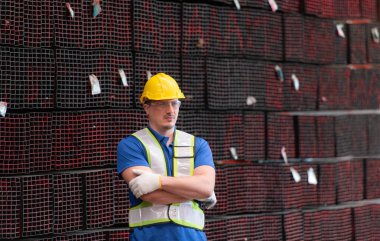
170,173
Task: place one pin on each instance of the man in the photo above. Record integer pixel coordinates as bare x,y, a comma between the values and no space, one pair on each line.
169,172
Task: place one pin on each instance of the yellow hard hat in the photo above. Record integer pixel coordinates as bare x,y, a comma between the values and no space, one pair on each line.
161,87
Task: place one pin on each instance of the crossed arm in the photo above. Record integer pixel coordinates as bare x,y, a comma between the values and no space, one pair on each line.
178,189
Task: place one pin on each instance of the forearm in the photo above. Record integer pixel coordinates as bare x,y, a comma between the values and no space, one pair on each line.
163,197
190,187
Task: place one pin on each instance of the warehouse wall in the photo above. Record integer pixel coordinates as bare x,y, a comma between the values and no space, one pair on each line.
273,92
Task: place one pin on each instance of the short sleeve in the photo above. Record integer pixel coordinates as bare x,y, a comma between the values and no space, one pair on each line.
130,153
203,154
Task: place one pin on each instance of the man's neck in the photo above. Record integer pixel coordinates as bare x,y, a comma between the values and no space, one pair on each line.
165,132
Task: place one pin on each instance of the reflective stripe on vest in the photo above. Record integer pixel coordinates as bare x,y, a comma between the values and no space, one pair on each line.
187,213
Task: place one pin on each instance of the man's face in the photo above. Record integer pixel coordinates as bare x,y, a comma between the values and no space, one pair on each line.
162,114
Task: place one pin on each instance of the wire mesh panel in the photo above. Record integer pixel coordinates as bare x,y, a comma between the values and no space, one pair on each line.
357,50
94,28
118,28
121,200
226,31
344,8
38,23
266,227
220,192
343,135
122,123
68,29
293,225
325,136
280,130
375,220
334,88
359,89
372,178
247,178
238,228
327,182
300,89
373,76
369,9
118,64
118,235
83,236
275,188
263,35
254,135
41,136
362,223
27,79
350,181
14,144
156,26
195,29
309,189
12,19
223,132
236,88
154,64
169,30
312,225
146,26
213,230
66,140
71,88
359,127
320,41
94,138
247,84
99,198
336,224
10,207
37,205
193,82
373,135
372,43
68,202
294,37
74,87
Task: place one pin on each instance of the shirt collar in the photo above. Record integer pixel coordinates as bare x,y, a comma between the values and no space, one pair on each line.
162,139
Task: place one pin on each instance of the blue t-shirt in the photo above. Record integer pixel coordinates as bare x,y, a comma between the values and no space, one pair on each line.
131,152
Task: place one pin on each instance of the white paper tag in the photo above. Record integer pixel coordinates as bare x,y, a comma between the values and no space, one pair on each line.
237,4
3,108
95,86
311,177
96,8
339,28
251,100
283,154
296,82
375,35
295,174
123,77
280,75
148,75
234,153
273,5
68,6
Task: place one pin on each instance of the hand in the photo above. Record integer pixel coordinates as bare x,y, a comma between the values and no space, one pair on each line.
209,202
144,183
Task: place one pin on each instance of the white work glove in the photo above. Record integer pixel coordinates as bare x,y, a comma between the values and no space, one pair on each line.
144,183
209,202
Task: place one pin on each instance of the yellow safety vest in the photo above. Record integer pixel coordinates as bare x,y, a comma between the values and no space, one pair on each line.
187,213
